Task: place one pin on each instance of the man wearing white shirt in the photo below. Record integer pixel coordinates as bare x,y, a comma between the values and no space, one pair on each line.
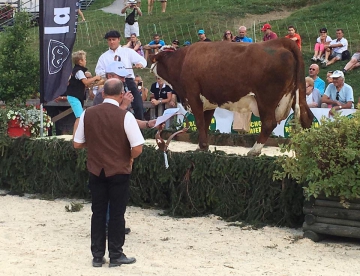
333,51
111,149
129,58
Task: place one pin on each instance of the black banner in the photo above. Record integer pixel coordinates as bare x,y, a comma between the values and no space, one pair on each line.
58,24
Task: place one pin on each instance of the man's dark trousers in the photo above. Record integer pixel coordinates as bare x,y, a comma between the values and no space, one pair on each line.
137,103
105,190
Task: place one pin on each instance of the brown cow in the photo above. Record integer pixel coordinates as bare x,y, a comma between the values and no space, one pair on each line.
223,73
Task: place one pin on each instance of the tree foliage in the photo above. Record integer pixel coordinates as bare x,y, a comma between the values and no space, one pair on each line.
19,65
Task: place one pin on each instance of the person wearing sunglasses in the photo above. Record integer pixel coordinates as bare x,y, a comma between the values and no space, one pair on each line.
228,36
338,94
318,82
319,48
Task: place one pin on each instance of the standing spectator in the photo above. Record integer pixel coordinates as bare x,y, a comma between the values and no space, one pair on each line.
135,44
141,87
111,150
319,48
128,57
153,46
242,36
163,5
132,13
76,88
151,5
333,51
294,36
338,94
268,33
313,97
81,14
318,82
353,63
160,93
202,36
227,36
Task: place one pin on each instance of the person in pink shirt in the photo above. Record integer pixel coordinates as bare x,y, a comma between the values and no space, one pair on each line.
268,33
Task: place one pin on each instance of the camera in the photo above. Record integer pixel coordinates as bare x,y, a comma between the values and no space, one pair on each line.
140,85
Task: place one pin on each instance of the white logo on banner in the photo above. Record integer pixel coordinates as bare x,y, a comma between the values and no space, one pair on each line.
58,53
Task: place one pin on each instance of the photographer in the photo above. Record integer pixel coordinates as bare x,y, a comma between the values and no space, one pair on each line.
132,13
140,86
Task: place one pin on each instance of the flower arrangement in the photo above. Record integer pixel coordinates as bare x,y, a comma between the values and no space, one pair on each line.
29,118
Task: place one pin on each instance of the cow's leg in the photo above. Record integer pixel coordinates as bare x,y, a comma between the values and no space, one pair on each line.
208,114
268,123
197,109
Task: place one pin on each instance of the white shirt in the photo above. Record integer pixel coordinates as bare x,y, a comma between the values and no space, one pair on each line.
128,57
131,127
344,47
328,39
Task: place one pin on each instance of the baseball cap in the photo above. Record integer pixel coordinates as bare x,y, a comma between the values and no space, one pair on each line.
131,1
175,41
201,32
266,27
337,74
118,68
112,34
187,43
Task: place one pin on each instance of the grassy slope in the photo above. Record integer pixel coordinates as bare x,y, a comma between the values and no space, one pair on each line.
184,17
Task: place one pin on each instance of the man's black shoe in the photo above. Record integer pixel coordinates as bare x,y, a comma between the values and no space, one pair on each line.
127,230
122,260
98,262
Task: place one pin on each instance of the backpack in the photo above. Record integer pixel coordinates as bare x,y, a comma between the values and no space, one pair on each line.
130,19
345,55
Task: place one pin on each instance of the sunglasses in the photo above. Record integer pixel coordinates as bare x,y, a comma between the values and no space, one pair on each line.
323,32
228,33
312,69
337,96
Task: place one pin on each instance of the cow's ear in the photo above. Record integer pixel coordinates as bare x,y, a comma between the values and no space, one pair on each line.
152,58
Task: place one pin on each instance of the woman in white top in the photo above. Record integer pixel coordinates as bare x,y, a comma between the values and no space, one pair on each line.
321,41
313,98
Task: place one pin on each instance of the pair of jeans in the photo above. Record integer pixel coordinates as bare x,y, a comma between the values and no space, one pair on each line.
137,103
112,191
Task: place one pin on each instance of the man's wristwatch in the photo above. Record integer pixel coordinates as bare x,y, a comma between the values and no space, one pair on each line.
340,107
160,101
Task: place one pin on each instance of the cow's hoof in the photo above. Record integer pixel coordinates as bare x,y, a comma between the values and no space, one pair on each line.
253,152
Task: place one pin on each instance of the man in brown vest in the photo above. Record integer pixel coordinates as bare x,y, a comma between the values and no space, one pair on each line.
113,140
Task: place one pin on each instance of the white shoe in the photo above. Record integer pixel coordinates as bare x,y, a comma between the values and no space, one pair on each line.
314,58
321,59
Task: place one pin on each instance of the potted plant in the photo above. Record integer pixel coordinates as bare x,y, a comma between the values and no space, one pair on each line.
326,160
25,121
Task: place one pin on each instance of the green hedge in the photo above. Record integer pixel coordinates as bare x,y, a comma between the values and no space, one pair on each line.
196,183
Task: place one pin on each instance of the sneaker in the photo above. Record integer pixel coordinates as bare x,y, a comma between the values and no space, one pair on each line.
321,58
325,61
314,59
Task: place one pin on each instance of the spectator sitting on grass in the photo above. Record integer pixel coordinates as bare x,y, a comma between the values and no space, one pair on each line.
333,51
153,46
135,44
319,48
353,63
228,36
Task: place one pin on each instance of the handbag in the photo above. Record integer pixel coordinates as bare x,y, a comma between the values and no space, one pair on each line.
130,19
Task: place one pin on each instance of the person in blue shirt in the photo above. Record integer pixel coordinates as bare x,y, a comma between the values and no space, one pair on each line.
154,45
318,82
242,36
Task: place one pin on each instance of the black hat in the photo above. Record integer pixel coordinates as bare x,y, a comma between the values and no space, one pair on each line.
112,34
175,41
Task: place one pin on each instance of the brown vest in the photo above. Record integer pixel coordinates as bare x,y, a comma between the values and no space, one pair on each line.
106,140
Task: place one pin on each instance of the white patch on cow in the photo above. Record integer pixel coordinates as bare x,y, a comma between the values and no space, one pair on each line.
255,150
153,70
242,110
282,111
